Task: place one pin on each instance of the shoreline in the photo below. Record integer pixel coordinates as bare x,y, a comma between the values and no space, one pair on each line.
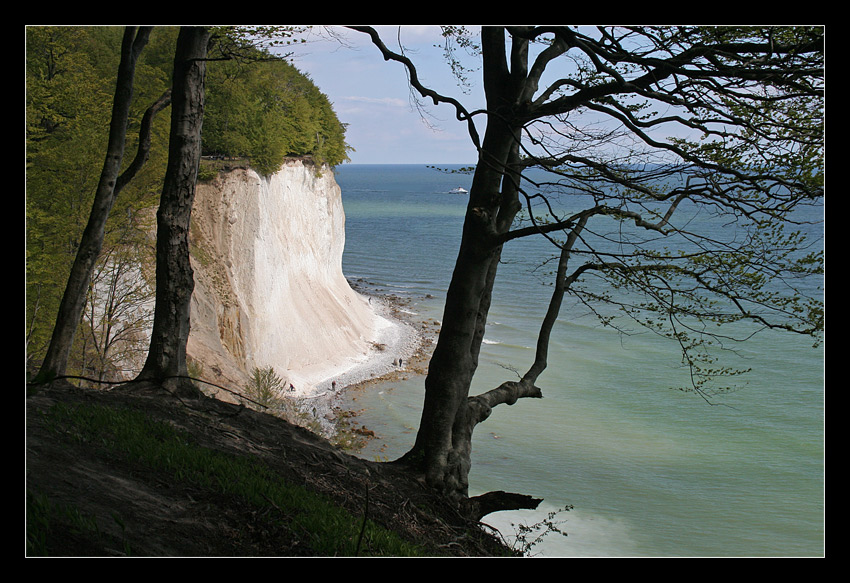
402,349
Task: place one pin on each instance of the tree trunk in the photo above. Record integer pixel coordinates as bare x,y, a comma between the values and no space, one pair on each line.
443,445
668,70
166,362
73,299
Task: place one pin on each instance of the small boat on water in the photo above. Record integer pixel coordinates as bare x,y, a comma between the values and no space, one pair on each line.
458,190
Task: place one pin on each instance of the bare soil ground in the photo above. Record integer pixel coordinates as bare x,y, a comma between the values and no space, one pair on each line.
159,517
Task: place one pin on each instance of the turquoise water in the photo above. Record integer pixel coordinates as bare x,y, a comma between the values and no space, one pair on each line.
648,471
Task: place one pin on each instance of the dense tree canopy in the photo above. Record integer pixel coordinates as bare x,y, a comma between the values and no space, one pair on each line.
267,111
70,86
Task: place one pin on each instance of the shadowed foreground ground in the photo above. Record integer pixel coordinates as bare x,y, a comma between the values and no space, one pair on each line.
87,497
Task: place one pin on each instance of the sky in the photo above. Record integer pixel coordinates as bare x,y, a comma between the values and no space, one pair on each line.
373,97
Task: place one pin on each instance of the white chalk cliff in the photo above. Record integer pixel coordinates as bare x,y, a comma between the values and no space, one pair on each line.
269,286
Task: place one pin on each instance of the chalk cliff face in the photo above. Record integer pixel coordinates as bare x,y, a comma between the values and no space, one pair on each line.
269,287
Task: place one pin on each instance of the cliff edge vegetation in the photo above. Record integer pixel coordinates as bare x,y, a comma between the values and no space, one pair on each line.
267,112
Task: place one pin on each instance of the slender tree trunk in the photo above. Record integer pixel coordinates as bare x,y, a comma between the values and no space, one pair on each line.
73,299
166,362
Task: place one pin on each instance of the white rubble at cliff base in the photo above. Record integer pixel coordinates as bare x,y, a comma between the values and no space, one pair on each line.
395,342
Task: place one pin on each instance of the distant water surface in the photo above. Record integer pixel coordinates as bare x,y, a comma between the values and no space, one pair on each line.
649,471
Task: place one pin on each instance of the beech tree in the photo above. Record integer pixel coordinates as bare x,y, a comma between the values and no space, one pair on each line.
110,183
166,361
639,129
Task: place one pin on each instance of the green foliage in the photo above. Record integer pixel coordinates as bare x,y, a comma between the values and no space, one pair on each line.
70,76
266,110
264,387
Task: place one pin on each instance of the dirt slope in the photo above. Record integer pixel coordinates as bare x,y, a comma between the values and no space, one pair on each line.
159,517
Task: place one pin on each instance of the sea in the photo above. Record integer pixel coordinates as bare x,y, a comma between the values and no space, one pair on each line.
626,464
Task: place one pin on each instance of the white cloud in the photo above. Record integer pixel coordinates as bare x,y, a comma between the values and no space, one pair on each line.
391,101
